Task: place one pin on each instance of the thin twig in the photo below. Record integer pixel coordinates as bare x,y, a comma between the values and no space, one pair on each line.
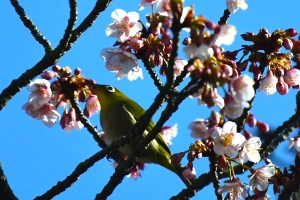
38,36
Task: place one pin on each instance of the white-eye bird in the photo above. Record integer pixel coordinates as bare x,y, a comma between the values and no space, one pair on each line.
118,114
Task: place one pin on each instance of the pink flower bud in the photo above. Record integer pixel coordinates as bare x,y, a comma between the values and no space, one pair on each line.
247,134
282,87
81,96
158,59
189,172
287,43
77,71
136,44
56,68
251,121
262,126
48,75
242,66
177,157
291,32
87,113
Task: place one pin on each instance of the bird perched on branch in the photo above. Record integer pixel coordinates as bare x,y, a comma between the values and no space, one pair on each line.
118,114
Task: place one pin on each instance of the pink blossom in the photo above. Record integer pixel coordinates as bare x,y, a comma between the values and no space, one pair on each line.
122,62
260,178
235,188
136,44
250,150
47,113
169,132
203,52
92,104
227,140
234,5
294,142
58,100
292,77
232,108
179,66
242,89
40,92
145,3
225,35
268,84
164,8
189,172
69,121
125,25
199,129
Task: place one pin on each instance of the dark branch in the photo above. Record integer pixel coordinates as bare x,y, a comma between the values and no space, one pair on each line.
5,191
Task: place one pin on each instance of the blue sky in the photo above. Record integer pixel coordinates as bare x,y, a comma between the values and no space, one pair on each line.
35,157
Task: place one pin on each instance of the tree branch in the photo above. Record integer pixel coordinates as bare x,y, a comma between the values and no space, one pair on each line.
28,23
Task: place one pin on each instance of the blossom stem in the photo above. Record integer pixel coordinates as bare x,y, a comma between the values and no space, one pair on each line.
244,166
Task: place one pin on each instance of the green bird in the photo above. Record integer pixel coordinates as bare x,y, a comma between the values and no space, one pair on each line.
118,114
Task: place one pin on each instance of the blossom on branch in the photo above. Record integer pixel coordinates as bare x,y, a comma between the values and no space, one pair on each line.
40,92
164,8
234,5
242,89
125,25
145,3
122,62
169,132
227,140
225,35
203,52
260,178
250,150
235,188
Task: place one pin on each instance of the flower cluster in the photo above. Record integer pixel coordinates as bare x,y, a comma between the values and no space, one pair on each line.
45,98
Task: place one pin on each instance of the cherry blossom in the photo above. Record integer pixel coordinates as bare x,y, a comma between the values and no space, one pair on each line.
227,140
189,172
250,150
260,178
232,108
145,3
242,89
199,129
164,8
235,188
225,35
125,25
203,52
47,113
268,84
92,104
292,77
169,132
69,121
294,142
122,62
234,5
179,66
40,92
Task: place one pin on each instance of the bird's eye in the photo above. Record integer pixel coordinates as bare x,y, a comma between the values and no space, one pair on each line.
110,88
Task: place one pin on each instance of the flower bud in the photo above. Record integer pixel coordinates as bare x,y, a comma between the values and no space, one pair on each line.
287,43
56,68
262,126
77,71
136,44
251,121
177,157
189,172
291,32
48,75
247,134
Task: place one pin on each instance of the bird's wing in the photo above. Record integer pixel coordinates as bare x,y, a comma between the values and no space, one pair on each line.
138,112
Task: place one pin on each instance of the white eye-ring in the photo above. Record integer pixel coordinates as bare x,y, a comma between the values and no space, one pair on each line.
110,88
